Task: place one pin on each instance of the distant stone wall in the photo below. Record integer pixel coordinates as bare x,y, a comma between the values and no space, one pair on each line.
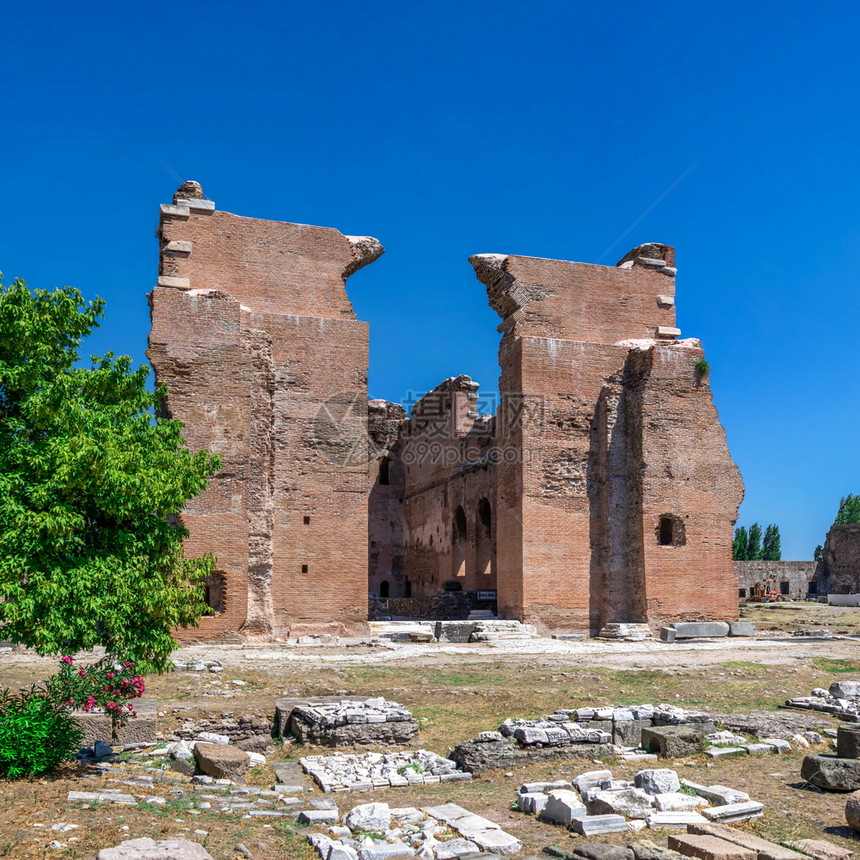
839,569
790,578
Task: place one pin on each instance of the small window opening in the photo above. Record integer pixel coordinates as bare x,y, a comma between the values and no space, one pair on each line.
407,588
304,568
670,531
213,593
783,587
742,592
383,588
813,587
307,521
384,472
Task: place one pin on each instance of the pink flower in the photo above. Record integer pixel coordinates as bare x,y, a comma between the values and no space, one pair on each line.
110,674
69,659
83,673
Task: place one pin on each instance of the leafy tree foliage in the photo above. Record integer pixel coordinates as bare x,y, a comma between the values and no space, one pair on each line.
90,482
818,554
751,545
849,511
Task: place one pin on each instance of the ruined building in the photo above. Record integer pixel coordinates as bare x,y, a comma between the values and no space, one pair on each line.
600,490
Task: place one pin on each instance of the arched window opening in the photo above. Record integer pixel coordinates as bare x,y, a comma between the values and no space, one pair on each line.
670,531
384,588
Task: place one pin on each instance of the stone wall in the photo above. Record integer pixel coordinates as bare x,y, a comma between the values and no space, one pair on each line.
838,572
437,607
266,363
789,578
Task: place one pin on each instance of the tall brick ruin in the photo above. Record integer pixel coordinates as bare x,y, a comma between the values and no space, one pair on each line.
266,363
601,489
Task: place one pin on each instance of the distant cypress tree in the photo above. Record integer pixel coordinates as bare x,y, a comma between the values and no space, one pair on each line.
818,554
754,545
770,549
849,511
740,544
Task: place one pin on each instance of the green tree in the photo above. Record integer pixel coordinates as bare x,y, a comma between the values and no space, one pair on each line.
818,554
849,511
90,483
754,544
740,544
770,547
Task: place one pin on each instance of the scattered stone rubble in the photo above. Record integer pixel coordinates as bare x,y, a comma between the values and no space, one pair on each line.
374,831
596,803
369,771
346,723
841,700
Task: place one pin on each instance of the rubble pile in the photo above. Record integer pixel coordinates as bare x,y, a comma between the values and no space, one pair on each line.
596,803
841,700
374,831
368,771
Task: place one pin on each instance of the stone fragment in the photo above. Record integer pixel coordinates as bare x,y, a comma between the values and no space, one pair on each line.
667,634
532,802
383,850
369,816
594,825
779,744
716,794
454,848
821,849
602,851
845,690
446,812
741,628
759,749
630,802
731,812
100,797
658,781
678,802
645,849
497,842
148,849
831,773
726,752
704,629
848,741
709,848
317,816
591,778
852,811
562,807
674,820
628,733
340,851
673,741
764,849
221,760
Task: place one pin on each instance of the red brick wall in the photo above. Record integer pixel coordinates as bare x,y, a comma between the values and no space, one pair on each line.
267,366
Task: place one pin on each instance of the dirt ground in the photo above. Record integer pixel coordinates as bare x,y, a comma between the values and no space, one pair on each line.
456,691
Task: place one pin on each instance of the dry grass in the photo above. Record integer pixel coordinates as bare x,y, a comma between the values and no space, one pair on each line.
454,696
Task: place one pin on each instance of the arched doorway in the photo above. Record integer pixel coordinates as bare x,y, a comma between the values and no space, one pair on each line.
484,539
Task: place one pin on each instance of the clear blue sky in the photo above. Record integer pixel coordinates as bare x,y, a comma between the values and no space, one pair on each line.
453,128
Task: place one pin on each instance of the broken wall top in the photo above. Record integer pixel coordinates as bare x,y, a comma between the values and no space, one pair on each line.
540,297
268,266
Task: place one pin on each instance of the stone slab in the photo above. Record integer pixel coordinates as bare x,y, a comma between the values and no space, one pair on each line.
141,729
667,634
764,850
848,741
716,794
709,847
741,628
100,797
700,629
593,825
446,812
821,849
734,811
148,849
674,820
497,842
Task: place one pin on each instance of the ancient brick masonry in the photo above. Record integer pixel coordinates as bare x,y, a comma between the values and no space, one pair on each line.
601,490
621,503
266,364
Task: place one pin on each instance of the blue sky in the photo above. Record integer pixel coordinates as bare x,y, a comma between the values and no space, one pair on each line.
453,128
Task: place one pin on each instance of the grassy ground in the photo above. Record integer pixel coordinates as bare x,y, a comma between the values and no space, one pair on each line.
455,693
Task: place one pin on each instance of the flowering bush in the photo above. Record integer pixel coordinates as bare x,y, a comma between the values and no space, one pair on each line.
106,685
